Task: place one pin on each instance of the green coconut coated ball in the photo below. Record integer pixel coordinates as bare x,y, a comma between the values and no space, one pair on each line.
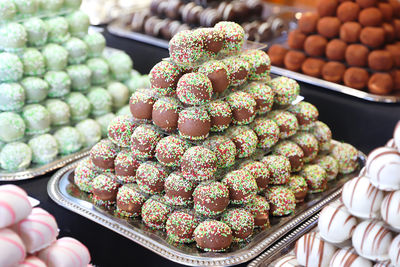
37,119
51,5
72,4
101,100
44,148
90,130
12,127
60,112
69,140
77,50
120,65
7,10
59,83
26,7
12,97
56,57
79,105
11,68
36,89
125,110
80,76
58,30
96,44
37,31
34,63
104,121
100,70
120,94
78,23
13,37
15,156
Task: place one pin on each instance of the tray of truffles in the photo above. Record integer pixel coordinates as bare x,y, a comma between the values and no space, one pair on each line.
350,47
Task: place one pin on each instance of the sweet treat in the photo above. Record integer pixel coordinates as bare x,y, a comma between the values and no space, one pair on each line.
293,60
26,7
308,143
170,149
178,190
330,165
291,151
16,205
323,134
59,83
245,140
13,248
308,22
238,70
380,60
185,49
144,140
44,148
241,223
313,67
299,187
396,135
50,6
36,89
199,164
233,36
348,11
105,189
120,130
286,121
263,95
103,155
326,8
277,52
8,10
72,4
389,209
13,37
12,97
150,177
210,198
357,55
366,3
32,261
141,104
224,149
100,70
96,44
78,23
366,203
259,208
347,157
79,105
390,34
15,156
37,31
69,140
120,65
243,107
394,51
164,77
217,73
84,174
380,84
328,27
315,45
100,99
279,168
194,89
350,32
356,78
36,118
77,50
306,114
259,171
348,257
370,16
336,48
180,226
90,131
155,213
267,132
194,123
394,251
57,30
126,166
281,200
333,71
296,39
80,77
315,177
164,113
213,40
220,114
372,36
396,80
260,64
212,235
372,240
242,186
13,127
286,90
287,261
129,200
33,61
104,120
312,251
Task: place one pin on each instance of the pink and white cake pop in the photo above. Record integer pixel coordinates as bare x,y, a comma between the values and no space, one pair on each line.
14,205
32,261
394,251
65,252
12,249
348,258
383,168
396,135
287,261
335,223
38,230
361,198
372,240
312,251
390,209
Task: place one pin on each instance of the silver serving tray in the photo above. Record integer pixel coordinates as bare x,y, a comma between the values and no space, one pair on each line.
334,86
62,190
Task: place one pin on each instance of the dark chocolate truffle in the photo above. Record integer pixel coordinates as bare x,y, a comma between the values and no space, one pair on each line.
259,62
394,50
164,77
243,107
262,94
333,71
315,45
180,226
218,74
335,49
241,222
380,60
327,7
259,171
186,49
279,168
293,60
129,201
308,143
210,198
357,55
306,114
291,151
170,150
277,53
296,39
178,190
313,66
155,213
348,11
267,132
120,130
194,89
141,104
281,200
103,155
105,189
299,187
224,149
245,140
396,7
238,69
370,16
150,177
194,123
144,140
356,78
308,22
372,36
199,164
213,236
242,186
328,27
126,166
233,36
220,114
259,208
165,113
380,84
350,32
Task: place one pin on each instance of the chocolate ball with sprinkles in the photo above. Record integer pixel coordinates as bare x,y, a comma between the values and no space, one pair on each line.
213,236
260,64
233,36
259,208
104,189
36,89
11,68
299,187
126,166
267,132
121,129
291,151
79,105
281,200
245,140
346,156
170,150
84,174
194,89
194,123
286,121
69,140
37,32
330,164
305,113
165,113
13,37
212,39
33,62
286,90
15,156
323,133
263,95
12,97
129,201
37,119
12,127
218,74
238,70
155,213
210,198
259,171
199,164
150,177
279,169
141,104
164,77
220,114
185,49
100,70
224,149
103,155
44,148
308,143
241,223
180,226
315,177
242,186
178,190
96,44
144,140
243,107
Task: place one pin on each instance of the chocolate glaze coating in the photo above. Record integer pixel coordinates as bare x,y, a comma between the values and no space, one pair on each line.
218,74
293,60
308,22
328,27
296,39
356,77
357,55
333,71
211,198
277,53
350,32
315,45
335,50
370,16
380,84
380,60
396,25
372,36
326,7
348,11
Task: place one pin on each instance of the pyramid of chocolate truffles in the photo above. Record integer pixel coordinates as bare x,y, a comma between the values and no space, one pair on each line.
363,228
58,87
214,147
354,42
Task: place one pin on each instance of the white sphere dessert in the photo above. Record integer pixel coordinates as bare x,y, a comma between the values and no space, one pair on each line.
12,248
33,61
12,127
11,68
15,156
335,223
372,240
104,121
287,261
125,110
17,205
37,32
79,105
383,168
120,65
77,50
390,210
90,130
120,94
36,89
44,148
58,30
7,10
394,251
348,258
391,143
361,198
59,111
12,97
396,135
26,7
69,140
96,44
37,119
59,83
32,261
78,23
72,4
56,57
81,77
13,37
51,5
101,100
312,251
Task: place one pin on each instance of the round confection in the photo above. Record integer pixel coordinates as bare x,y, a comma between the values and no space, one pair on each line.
335,49
100,70
120,65
224,149
37,119
164,77
178,190
125,166
238,70
308,22
243,107
84,174
210,198
80,76
348,11
44,148
150,177
350,32
12,96
396,80
212,39
312,251
371,240
77,50
103,155
69,140
259,208
315,177
26,7
323,134
90,131
380,60
58,30
263,95
125,110
33,62
308,143
279,168
299,187
11,68
185,48
13,127
380,84
120,130
296,39
373,37
315,45
390,34
13,37
104,120
233,36
165,113
59,83
194,123
286,121
389,209
286,90
292,151
180,226
141,104
198,164
78,23
155,213
79,106
137,81
245,140
96,44
396,135
267,132
105,189
59,111
281,200
241,223
212,235
394,251
260,64
15,156
242,186
277,53
194,89
101,101
357,55
333,71
37,31
259,171
7,10
326,7
221,115
51,6
293,60
217,73
366,3
170,150
349,256
330,165
144,140
328,27
306,114
73,4
36,89
370,16
129,201
313,67
347,157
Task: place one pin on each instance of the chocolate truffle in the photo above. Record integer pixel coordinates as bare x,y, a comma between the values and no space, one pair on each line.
241,222
315,45
308,23
186,49
178,190
335,49
199,164
286,90
126,166
84,174
390,34
386,10
165,113
238,69
329,164
243,107
217,73
213,40
155,213
105,189
348,11
233,36
242,186
372,36
277,53
260,64
327,7
366,3
281,199
328,27
224,149
129,201
214,236
194,123
144,140
306,114
169,150
164,77
315,177
286,121
279,168
370,16
380,60
267,132
296,39
299,187
323,134
150,177
194,89
356,78
259,208
259,171
291,151
350,32
380,84
347,157
141,104
262,94
180,226
396,79
245,140
333,71
103,155
313,67
220,114
396,25
293,60
210,198
396,7
120,130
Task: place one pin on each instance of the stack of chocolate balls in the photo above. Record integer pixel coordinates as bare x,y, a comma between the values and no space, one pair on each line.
350,42
364,226
57,88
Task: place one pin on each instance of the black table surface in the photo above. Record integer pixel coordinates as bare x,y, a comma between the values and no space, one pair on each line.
364,124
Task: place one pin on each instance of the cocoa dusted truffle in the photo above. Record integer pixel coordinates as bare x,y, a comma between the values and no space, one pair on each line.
380,84
293,60
259,171
238,69
126,166
390,34
164,77
291,151
194,123
335,49
194,89
165,113
315,177
396,7
178,190
327,7
224,149
103,155
357,55
210,198
386,10
267,132
308,143
286,121
286,90
260,64
144,140
306,114
315,45
396,79
372,36
233,36
241,222
262,94
186,49
180,226
333,71
313,67
243,107
348,11
141,104
259,208
220,114
218,74
299,187
155,213
129,201
296,39
356,78
170,150
394,50
279,168
366,3
120,130
277,53
242,186
396,25
150,177
212,235
370,16
245,140
350,32
328,27
281,200
308,22
199,164
380,60
105,189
